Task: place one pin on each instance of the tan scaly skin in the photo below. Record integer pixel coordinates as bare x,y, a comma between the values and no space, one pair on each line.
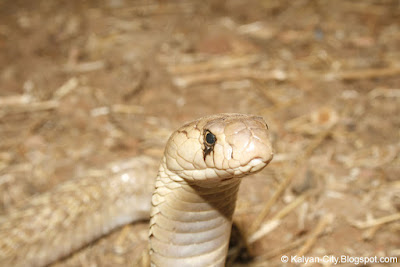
192,205
197,185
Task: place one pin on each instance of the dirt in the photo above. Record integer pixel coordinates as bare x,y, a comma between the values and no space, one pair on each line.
83,83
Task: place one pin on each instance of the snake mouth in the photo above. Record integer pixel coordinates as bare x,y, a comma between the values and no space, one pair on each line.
253,166
258,163
260,160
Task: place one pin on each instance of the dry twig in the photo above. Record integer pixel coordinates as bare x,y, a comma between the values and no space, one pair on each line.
216,63
322,224
85,66
282,187
363,74
274,222
14,100
263,259
30,107
379,221
231,74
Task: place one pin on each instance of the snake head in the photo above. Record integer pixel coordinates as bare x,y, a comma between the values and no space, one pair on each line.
219,148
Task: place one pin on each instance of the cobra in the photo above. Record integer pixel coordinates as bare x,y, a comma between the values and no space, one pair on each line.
191,207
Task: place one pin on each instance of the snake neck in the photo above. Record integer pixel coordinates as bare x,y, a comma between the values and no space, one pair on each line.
190,225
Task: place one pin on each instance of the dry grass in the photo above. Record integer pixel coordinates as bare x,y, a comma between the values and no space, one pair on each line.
85,84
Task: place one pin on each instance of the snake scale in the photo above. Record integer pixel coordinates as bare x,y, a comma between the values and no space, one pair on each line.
191,207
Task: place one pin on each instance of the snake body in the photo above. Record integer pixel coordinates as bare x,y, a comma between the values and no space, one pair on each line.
197,185
191,207
54,224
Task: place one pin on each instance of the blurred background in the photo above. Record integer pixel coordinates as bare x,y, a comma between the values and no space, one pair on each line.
85,83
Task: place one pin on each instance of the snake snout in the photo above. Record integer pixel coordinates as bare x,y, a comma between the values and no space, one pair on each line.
257,160
257,153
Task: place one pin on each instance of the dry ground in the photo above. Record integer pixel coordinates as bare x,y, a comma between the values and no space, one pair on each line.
83,83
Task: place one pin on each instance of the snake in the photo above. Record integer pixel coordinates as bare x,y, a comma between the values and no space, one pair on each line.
190,207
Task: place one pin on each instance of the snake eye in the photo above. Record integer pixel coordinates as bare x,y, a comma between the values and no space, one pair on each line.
209,142
210,138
